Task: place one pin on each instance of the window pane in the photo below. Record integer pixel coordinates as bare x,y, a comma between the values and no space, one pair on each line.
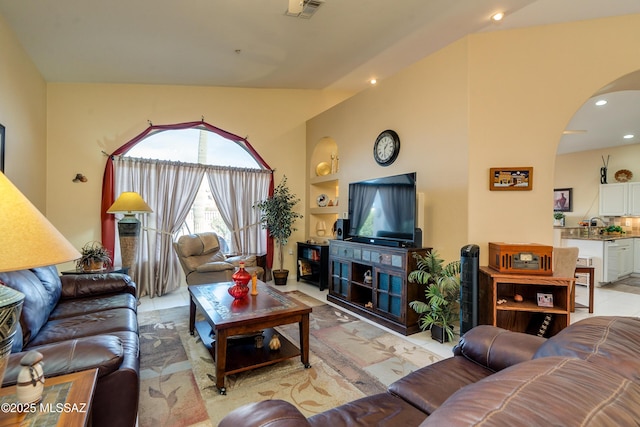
193,146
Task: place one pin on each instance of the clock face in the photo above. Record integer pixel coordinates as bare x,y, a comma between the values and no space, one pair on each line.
386,148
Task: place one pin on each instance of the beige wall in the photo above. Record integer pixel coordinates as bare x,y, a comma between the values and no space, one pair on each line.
427,105
581,171
23,113
499,99
86,119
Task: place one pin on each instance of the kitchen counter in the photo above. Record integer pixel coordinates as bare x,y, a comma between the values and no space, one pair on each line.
594,233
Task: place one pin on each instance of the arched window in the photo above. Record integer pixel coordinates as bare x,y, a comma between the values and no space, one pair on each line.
196,178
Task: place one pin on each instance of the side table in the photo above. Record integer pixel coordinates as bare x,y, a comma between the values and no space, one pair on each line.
66,401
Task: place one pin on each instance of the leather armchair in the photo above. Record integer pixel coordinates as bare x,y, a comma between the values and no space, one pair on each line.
202,259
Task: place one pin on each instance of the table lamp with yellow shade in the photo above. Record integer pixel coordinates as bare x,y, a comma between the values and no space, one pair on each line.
27,240
129,203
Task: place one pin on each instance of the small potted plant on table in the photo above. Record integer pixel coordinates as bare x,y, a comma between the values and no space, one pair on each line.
441,309
558,219
95,257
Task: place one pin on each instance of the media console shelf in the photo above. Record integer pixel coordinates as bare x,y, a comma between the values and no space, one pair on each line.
498,307
371,281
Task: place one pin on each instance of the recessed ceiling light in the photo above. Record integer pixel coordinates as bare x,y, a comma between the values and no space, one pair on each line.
496,17
373,81
601,102
628,136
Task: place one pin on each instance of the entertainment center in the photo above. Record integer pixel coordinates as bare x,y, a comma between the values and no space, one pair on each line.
371,280
369,264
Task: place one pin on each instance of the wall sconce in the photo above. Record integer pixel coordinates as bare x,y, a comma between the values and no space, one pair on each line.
80,178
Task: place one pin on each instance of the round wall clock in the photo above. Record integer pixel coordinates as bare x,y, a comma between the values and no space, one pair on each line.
386,147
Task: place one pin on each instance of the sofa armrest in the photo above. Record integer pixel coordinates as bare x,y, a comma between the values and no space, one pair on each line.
496,348
87,285
272,413
103,352
214,267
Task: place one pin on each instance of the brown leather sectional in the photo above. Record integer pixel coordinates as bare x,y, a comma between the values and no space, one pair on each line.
586,375
82,322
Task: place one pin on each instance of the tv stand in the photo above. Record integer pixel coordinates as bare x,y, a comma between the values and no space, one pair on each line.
385,297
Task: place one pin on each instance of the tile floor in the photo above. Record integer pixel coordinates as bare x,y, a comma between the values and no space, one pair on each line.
607,303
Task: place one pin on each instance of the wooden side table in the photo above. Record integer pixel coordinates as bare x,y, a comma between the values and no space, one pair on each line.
66,401
591,273
499,308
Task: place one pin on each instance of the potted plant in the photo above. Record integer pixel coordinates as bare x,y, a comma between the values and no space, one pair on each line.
278,217
441,308
558,218
95,257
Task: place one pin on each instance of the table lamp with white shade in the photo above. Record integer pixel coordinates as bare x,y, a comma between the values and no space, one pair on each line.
27,240
129,203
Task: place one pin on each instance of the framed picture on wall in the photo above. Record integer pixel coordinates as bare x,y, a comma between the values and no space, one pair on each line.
511,179
563,199
1,148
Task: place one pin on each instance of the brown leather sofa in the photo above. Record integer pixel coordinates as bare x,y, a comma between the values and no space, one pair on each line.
81,322
587,375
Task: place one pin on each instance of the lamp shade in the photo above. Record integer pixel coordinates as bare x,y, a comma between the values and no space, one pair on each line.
129,202
27,238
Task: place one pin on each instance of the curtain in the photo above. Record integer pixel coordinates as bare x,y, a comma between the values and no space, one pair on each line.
108,180
399,219
170,189
235,191
362,197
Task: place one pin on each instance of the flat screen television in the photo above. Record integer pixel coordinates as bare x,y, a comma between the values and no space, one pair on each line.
383,211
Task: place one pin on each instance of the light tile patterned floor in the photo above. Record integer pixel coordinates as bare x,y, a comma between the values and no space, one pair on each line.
607,303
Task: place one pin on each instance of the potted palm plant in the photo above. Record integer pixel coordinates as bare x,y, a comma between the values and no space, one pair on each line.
278,217
95,257
441,309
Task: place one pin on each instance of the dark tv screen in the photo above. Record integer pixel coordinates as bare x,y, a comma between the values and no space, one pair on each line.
383,209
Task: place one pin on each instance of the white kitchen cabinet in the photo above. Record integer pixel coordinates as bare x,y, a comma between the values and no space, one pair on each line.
614,199
634,198
620,199
636,255
626,257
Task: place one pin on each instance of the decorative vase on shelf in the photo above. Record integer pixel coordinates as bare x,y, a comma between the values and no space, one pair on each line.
240,280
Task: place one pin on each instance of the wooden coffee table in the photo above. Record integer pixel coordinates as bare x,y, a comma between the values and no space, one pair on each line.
230,327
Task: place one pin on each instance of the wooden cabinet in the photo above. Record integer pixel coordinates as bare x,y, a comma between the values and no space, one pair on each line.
499,308
372,281
313,264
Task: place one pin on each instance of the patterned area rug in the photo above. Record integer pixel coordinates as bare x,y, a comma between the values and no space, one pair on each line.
349,358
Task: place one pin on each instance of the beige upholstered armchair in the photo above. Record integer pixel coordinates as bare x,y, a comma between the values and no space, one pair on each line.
203,261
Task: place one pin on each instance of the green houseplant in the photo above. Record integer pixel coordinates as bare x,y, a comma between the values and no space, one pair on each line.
558,218
441,308
95,257
278,217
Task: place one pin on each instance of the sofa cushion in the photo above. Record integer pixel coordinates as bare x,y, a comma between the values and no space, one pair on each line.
611,342
428,387
379,410
102,352
74,307
551,391
102,322
38,302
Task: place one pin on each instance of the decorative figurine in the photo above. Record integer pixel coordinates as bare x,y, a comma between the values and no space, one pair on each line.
31,378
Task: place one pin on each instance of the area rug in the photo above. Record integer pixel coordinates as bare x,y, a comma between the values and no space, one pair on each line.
349,359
